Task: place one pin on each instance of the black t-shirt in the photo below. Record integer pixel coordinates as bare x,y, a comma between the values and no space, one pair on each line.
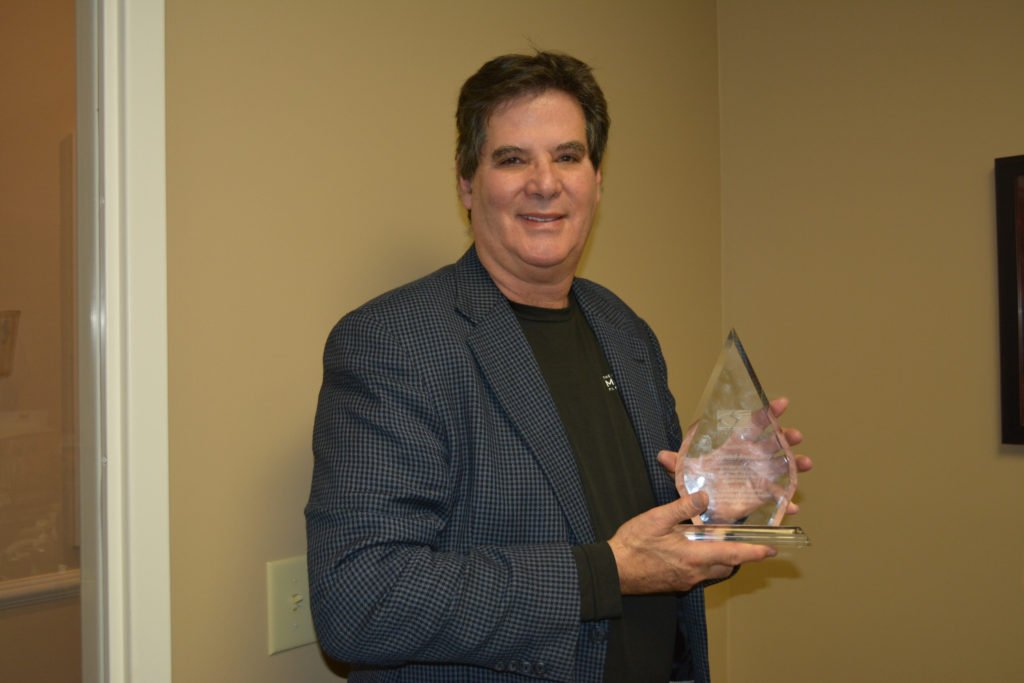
611,467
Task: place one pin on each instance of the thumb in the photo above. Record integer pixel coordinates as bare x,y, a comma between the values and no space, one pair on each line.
678,469
686,507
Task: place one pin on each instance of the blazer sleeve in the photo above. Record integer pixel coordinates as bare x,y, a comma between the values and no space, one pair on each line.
384,589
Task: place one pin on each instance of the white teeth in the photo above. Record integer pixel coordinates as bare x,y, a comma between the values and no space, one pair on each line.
538,219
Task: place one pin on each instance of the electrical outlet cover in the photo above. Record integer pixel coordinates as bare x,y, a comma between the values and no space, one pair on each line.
289,622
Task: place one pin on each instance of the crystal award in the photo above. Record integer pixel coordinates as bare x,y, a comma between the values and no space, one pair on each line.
736,452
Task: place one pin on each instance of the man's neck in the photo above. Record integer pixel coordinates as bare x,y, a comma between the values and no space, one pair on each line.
543,295
550,292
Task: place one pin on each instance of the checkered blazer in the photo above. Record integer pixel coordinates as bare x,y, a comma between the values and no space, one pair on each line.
445,497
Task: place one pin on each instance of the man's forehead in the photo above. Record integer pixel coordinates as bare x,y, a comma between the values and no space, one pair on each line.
499,123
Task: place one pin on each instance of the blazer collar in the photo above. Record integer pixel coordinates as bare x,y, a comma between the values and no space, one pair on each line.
507,362
508,365
476,295
635,371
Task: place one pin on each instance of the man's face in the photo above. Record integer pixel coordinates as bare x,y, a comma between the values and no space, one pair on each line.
534,193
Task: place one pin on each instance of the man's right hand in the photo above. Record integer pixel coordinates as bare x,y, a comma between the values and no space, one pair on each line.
653,555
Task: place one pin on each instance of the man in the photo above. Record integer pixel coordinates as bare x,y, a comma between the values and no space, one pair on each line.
489,499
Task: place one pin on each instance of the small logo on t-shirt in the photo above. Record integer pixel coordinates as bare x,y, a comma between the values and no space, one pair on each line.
609,383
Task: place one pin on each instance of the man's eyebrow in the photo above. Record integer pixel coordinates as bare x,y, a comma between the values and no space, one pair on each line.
573,146
506,150
500,152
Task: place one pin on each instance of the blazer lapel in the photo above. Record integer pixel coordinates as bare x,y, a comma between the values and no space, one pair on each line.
509,367
633,371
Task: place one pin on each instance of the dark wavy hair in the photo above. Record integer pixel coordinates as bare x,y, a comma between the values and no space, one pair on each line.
510,76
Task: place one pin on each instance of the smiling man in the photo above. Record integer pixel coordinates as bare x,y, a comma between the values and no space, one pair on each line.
533,196
487,501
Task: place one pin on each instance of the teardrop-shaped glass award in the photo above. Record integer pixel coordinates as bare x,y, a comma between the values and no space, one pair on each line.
736,452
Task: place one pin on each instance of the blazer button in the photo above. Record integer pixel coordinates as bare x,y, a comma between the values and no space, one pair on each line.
513,666
500,666
597,636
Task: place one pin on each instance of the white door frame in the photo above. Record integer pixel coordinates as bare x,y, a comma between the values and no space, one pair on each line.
122,219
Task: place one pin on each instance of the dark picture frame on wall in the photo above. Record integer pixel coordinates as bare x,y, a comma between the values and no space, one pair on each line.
1009,181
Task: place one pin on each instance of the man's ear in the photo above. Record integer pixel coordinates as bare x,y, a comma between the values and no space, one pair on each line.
466,192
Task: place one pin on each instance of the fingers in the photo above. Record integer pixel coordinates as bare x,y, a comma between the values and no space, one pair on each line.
756,553
667,459
731,554
793,437
779,405
803,464
776,407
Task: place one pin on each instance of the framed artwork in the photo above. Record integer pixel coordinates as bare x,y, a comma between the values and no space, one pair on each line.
1009,177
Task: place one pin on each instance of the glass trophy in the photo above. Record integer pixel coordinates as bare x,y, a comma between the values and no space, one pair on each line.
736,452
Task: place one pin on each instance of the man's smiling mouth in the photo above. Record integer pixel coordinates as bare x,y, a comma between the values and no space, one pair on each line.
533,218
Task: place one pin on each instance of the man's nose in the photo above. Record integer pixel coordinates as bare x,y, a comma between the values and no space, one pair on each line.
544,180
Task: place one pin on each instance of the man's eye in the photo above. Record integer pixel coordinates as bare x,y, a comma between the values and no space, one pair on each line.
569,158
510,161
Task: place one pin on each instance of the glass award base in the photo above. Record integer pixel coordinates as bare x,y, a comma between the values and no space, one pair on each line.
782,536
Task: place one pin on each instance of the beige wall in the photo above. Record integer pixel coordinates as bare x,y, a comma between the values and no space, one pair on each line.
858,259
310,167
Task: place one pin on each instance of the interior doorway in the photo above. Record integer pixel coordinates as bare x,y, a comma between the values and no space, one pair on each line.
40,543
83,230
